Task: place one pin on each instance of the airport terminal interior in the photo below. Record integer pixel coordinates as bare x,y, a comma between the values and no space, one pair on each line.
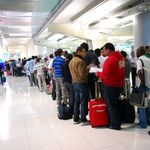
33,33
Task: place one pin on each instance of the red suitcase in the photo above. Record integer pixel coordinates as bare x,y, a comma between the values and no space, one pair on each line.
98,113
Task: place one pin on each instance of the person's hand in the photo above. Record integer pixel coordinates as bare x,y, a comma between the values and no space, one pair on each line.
90,65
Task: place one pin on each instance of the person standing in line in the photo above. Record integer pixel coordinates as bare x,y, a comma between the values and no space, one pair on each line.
40,69
90,59
52,77
30,68
140,52
79,75
58,62
13,66
113,76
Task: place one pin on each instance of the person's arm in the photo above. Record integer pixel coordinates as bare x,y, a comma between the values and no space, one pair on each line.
139,72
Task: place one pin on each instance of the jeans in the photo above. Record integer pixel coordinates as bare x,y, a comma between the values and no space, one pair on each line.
60,95
142,118
69,92
81,100
112,98
53,89
31,79
144,114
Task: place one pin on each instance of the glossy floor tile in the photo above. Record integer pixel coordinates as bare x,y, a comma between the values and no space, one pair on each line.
28,121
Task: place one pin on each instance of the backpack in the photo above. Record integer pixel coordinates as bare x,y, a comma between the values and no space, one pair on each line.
64,112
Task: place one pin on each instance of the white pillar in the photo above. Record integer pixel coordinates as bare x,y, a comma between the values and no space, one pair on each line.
142,30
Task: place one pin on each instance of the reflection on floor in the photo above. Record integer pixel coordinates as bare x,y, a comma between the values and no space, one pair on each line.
28,121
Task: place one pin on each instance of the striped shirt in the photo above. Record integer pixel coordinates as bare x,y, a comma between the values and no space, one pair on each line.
57,66
40,68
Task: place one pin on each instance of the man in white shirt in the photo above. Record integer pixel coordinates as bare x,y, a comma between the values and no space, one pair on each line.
50,68
143,118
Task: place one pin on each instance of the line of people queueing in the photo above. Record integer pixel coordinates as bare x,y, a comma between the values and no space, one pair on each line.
71,79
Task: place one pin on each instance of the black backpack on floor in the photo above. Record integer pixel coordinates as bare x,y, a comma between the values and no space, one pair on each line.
64,112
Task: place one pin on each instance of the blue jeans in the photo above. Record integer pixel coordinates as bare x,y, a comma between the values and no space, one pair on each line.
142,118
81,99
144,115
68,88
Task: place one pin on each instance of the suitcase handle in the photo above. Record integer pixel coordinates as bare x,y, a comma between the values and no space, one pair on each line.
99,105
100,111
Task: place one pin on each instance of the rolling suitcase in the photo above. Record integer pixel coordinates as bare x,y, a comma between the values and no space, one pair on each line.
98,111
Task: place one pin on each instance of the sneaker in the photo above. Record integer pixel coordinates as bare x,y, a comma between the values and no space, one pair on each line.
137,125
85,123
77,122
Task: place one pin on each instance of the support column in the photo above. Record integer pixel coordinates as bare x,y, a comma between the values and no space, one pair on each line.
89,42
142,30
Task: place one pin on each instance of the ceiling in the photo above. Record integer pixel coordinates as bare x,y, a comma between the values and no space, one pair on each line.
78,20
95,18
15,21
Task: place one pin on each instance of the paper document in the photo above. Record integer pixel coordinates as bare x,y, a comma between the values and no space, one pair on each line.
95,70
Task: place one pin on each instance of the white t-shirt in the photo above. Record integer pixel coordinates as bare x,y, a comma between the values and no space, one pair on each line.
102,59
146,62
133,61
50,64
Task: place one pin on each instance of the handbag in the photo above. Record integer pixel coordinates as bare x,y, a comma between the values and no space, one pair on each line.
138,95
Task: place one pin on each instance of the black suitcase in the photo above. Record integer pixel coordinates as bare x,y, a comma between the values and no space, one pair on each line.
127,111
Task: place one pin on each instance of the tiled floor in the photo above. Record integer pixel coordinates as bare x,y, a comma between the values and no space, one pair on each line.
28,121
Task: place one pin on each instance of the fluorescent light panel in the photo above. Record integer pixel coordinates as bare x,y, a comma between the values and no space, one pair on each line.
55,37
19,34
102,10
